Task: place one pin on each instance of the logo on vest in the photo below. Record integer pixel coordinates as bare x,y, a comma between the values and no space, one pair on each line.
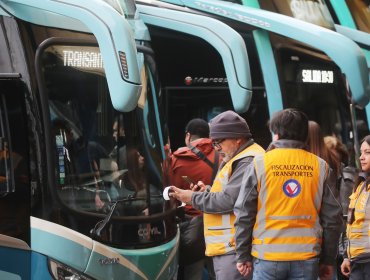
292,188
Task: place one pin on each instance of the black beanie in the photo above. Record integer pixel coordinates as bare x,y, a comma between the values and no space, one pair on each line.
229,125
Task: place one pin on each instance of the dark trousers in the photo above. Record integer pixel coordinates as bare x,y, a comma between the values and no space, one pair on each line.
360,271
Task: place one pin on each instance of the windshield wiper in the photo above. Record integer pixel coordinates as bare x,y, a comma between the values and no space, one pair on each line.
96,231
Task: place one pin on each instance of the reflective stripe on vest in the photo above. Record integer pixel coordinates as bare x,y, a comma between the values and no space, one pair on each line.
290,189
219,228
359,231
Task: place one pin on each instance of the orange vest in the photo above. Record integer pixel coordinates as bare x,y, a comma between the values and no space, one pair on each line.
219,228
290,188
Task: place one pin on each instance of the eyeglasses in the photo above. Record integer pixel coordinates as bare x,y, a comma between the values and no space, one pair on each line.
217,144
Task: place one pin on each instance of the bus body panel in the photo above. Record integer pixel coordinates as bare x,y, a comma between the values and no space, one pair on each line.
40,267
227,42
159,264
61,243
3,13
269,68
17,264
343,13
98,260
12,253
123,78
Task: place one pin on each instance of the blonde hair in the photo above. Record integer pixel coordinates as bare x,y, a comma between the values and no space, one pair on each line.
333,143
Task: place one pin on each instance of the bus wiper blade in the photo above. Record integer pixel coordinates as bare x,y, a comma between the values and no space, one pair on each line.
96,231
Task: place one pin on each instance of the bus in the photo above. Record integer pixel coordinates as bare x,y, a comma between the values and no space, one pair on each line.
84,139
293,64
334,15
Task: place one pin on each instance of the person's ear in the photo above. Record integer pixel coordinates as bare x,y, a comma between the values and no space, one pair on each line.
275,137
187,138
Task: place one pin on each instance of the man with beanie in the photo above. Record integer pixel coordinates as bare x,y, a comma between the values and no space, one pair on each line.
288,214
232,138
199,162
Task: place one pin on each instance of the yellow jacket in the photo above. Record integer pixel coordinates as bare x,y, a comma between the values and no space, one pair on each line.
219,228
358,232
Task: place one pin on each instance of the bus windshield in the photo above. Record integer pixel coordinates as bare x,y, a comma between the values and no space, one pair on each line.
360,10
102,156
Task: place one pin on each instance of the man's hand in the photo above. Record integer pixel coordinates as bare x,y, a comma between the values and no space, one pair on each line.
345,268
245,269
182,195
326,271
198,187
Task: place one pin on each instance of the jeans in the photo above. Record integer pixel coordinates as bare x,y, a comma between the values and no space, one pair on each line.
286,270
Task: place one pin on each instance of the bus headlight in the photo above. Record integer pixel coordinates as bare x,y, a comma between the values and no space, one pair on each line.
63,272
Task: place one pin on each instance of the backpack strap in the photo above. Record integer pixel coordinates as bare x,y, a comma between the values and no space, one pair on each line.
203,157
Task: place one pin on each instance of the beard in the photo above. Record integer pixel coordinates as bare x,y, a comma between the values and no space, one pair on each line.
230,154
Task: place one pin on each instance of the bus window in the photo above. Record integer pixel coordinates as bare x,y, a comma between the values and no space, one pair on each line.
195,85
317,87
102,156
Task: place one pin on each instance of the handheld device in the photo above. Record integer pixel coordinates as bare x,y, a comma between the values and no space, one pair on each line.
188,180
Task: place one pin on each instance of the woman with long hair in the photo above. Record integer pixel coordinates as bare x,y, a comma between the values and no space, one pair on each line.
356,263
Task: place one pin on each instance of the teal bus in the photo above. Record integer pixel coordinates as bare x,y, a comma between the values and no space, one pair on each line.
84,139
82,134
293,64
340,16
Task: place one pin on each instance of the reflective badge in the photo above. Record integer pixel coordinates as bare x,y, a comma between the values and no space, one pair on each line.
292,188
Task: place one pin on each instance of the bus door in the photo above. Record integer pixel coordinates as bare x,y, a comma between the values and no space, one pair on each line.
15,198
202,63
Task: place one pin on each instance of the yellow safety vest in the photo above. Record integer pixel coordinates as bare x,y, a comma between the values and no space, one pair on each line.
358,232
290,188
219,229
